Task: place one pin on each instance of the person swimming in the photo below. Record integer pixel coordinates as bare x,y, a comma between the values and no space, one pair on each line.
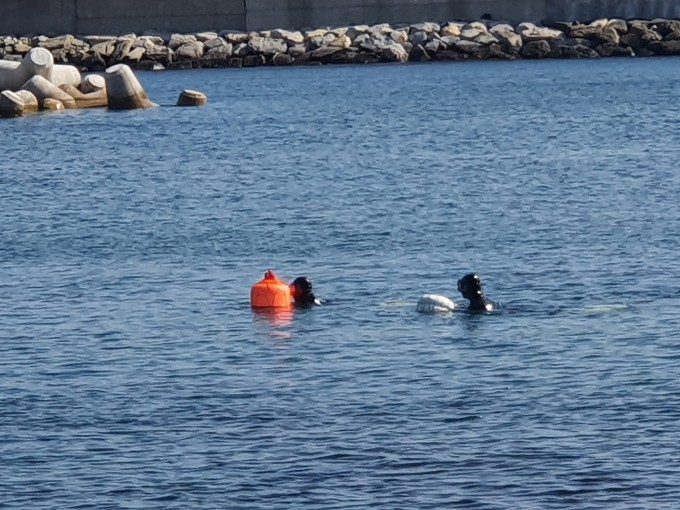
470,286
303,295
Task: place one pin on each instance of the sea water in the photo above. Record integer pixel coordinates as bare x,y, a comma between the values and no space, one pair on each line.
133,373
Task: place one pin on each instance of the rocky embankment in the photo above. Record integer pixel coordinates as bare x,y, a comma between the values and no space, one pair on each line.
357,44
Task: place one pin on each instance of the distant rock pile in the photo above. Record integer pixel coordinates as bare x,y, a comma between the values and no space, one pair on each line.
358,44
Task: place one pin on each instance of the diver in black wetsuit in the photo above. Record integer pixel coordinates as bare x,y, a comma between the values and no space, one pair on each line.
470,286
301,289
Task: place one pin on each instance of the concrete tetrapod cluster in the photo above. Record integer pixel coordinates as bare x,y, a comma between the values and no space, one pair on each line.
36,83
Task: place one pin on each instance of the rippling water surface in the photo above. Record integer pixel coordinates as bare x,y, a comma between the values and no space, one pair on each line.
133,373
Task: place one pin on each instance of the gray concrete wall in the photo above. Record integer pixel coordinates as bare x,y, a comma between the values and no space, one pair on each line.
123,16
582,10
262,14
23,17
19,17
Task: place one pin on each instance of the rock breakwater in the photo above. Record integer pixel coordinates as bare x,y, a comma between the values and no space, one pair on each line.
358,44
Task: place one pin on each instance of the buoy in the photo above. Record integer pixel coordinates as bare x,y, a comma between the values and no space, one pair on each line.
270,292
434,303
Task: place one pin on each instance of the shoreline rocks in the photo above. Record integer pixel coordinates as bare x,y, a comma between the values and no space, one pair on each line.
425,41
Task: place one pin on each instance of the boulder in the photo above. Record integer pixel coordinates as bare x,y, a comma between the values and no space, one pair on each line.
470,34
42,89
177,40
612,50
619,25
418,54
498,52
394,53
191,98
447,41
289,37
148,41
631,41
341,41
214,43
415,38
160,54
254,61
664,47
476,25
530,32
282,59
205,36
385,28
104,48
353,56
241,50
436,45
93,40
356,30
190,51
296,50
486,39
501,28
645,33
135,54
329,39
585,31
56,43
235,37
218,57
469,47
508,39
367,42
123,90
428,27
313,34
120,51
535,49
266,45
324,55
663,27
577,51
399,36
451,54
451,29
21,49
609,35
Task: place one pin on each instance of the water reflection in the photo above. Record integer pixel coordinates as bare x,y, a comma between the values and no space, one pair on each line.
276,317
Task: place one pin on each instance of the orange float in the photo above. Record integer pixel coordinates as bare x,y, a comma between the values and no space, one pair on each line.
270,292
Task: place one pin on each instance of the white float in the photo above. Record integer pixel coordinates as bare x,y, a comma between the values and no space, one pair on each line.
434,303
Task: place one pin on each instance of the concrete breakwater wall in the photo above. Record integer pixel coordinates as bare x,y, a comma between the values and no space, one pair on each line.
55,17
358,44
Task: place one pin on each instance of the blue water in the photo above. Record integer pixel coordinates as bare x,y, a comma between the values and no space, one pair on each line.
133,373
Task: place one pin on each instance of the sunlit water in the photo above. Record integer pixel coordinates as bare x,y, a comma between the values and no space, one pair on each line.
133,373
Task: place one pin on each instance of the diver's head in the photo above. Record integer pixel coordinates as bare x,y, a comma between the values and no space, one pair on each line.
301,288
470,286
